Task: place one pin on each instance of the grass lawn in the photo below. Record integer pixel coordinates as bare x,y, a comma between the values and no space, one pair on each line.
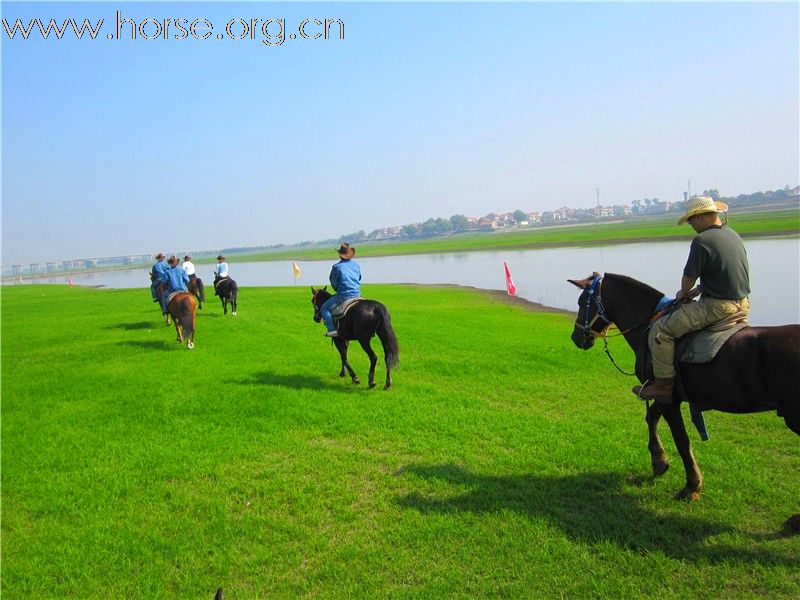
504,463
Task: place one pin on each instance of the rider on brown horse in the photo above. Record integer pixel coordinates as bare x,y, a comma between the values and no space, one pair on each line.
718,258
177,281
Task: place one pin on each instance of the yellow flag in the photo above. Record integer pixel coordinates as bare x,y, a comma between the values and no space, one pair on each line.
296,270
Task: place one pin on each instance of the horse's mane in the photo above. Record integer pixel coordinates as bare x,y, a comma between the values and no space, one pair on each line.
639,289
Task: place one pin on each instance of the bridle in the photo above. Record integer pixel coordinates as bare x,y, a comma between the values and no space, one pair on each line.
593,292
317,305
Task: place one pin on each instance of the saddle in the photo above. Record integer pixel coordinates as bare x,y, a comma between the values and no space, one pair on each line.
172,295
697,347
341,309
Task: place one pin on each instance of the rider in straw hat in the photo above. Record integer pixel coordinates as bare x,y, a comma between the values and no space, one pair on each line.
718,258
345,278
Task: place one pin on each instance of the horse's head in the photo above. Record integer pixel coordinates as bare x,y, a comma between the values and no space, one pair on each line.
592,319
318,298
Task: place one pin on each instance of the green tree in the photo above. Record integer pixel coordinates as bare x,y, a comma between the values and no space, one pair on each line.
459,222
712,193
521,215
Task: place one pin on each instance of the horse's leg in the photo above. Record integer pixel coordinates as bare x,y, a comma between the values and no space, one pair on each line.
233,304
341,346
694,479
373,360
176,319
224,306
658,457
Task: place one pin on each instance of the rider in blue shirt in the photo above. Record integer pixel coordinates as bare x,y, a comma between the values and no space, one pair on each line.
346,280
220,273
158,275
177,280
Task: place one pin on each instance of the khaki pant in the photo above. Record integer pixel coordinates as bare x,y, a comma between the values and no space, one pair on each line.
687,317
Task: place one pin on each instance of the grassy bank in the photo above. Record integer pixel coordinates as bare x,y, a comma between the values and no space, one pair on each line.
772,223
505,462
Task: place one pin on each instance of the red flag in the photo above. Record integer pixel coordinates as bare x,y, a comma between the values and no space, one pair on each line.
510,287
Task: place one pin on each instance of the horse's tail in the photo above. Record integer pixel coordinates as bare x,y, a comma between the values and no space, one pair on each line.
233,290
387,337
187,318
202,289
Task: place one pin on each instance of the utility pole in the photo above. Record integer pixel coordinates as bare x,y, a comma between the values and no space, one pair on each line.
689,185
598,197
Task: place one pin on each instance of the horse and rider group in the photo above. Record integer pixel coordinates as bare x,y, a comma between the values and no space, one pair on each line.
697,351
179,292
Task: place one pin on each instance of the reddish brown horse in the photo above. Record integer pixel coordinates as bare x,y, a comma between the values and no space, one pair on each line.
182,307
757,370
361,322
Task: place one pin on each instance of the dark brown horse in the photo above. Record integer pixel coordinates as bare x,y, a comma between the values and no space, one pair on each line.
228,292
361,322
196,287
182,307
757,370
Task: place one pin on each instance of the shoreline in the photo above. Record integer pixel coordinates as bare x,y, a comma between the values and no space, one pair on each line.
789,233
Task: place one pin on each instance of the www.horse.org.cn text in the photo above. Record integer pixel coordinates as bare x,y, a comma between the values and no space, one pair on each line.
270,32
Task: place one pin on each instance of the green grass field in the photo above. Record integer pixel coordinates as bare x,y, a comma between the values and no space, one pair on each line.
504,463
764,223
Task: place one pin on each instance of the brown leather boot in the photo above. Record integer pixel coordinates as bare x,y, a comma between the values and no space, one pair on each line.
659,390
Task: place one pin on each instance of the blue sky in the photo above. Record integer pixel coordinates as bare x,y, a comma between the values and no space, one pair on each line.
423,110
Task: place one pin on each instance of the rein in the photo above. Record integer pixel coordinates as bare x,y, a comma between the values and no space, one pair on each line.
594,292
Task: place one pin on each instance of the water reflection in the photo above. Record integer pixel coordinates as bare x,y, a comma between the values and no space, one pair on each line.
540,275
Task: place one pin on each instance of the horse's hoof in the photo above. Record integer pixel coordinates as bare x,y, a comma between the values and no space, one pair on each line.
660,468
688,494
234,313
371,385
387,387
189,345
356,381
792,524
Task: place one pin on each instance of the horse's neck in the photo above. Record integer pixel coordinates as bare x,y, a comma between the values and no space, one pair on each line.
630,306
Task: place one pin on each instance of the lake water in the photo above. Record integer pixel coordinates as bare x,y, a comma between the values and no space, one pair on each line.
540,275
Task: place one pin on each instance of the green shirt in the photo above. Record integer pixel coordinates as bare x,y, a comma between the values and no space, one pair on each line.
718,258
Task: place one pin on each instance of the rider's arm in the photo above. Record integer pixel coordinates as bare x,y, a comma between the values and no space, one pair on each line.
687,288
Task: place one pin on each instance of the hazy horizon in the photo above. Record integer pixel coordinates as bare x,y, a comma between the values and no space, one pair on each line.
116,147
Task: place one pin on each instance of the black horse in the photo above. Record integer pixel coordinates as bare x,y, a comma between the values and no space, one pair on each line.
227,290
197,288
757,370
362,321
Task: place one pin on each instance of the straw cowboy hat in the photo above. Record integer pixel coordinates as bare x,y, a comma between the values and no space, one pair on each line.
701,204
346,251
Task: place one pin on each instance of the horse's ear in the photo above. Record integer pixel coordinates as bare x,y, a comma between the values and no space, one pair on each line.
325,289
313,291
584,283
581,283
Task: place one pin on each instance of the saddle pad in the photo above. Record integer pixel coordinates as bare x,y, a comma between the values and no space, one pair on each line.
339,310
172,295
702,346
